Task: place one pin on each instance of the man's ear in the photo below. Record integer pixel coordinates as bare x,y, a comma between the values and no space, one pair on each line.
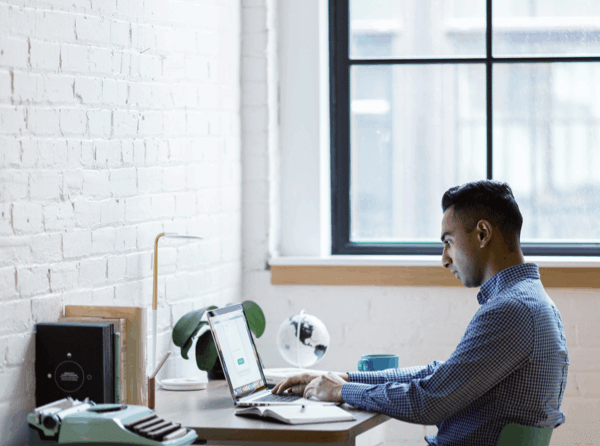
484,233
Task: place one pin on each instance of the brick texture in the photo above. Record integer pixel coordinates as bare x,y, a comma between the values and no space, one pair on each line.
118,121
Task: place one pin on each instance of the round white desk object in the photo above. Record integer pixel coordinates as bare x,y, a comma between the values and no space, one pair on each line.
183,384
303,340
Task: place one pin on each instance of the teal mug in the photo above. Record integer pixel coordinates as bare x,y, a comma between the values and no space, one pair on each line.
371,363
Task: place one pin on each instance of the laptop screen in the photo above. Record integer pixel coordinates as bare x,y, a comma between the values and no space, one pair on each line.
237,350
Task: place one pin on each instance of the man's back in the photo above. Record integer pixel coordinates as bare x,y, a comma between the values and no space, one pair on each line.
519,325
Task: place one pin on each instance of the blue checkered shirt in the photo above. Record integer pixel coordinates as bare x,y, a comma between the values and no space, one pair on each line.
509,367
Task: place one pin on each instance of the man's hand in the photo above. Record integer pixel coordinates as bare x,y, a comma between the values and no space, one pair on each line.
326,387
294,384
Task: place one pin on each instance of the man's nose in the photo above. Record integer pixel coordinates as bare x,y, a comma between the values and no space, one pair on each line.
446,260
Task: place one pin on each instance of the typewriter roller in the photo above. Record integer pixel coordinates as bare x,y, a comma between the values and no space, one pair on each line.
78,423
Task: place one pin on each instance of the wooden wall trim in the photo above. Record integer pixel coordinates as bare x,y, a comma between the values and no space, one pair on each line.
414,276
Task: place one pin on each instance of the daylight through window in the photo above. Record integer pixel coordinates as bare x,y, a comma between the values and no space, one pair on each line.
426,95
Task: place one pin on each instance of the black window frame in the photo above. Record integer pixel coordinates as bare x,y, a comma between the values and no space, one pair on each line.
339,86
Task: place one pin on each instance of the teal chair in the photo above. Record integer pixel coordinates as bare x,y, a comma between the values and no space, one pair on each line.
517,435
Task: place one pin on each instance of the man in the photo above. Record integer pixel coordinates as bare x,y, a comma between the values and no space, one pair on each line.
510,365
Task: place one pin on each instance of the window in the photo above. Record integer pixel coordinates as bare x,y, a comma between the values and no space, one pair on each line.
429,94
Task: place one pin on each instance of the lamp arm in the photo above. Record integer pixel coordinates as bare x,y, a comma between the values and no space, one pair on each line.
155,284
155,301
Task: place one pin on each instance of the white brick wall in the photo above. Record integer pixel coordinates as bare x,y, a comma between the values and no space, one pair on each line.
259,131
118,120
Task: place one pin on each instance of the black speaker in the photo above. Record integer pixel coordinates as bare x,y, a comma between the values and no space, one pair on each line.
76,360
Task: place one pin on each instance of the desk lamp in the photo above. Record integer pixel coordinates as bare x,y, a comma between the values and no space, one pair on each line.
155,287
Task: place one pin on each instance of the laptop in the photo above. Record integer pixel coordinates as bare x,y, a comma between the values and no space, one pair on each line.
241,363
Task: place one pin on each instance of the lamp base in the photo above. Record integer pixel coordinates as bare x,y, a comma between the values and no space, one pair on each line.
183,384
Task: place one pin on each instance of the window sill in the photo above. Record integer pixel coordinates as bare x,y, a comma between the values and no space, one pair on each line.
556,272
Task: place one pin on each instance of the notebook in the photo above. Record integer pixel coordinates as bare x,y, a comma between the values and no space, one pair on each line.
241,363
299,414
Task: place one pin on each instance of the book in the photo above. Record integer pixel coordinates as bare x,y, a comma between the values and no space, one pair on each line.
120,330
298,414
117,363
74,360
135,345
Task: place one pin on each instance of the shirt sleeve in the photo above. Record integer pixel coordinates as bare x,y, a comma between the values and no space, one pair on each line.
498,341
404,375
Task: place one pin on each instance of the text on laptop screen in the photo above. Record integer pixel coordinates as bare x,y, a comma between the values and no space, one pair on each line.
235,345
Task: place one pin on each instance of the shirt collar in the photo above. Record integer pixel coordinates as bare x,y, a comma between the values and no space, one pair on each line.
507,276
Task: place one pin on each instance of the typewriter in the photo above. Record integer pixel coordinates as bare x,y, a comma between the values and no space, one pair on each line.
83,423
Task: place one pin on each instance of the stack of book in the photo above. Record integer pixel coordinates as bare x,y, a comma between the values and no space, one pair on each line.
75,360
130,323
119,326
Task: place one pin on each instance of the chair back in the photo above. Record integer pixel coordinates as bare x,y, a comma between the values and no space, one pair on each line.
517,435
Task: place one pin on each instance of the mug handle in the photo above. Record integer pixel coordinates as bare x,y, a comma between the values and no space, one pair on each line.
363,364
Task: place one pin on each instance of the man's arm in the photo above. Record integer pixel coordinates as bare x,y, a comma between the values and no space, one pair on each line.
403,375
298,383
329,387
498,341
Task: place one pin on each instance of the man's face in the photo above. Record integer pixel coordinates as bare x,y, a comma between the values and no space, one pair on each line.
461,253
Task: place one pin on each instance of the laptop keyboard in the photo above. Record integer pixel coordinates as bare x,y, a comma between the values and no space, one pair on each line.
278,398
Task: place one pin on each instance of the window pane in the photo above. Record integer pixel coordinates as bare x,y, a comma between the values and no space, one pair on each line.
381,29
547,147
546,27
416,130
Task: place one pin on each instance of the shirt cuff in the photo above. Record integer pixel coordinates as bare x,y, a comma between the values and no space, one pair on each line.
367,377
353,393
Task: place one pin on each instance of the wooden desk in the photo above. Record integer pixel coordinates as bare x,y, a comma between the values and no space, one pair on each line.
210,413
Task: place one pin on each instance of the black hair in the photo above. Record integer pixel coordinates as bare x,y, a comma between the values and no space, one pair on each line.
486,200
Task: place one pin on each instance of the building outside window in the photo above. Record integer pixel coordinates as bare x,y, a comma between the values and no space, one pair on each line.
422,83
